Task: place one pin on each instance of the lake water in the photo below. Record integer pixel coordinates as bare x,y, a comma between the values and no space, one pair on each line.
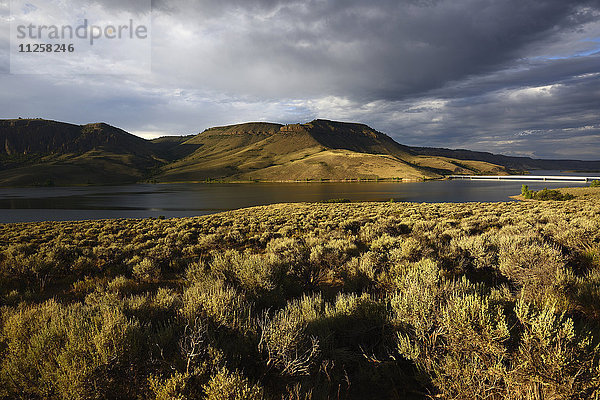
183,200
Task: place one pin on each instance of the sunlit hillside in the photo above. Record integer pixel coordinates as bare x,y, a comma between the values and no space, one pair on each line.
316,150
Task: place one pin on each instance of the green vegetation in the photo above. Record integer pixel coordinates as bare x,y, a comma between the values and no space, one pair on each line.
545,194
307,301
595,184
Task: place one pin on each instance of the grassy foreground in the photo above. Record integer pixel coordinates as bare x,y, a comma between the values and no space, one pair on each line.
301,301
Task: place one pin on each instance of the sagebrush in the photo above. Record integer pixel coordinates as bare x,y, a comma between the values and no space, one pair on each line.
307,301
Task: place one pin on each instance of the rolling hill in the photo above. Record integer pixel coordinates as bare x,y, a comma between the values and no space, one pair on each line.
316,150
515,163
42,152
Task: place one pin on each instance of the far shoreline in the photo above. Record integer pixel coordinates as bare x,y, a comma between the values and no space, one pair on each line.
151,181
216,181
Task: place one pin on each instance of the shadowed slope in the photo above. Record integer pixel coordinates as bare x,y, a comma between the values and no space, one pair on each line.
356,137
50,152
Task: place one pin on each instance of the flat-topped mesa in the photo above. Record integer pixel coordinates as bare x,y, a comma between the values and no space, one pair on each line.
323,126
348,136
315,128
252,128
293,128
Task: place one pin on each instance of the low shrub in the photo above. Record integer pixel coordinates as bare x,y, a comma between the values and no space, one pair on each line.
284,340
146,270
551,194
545,194
302,301
226,385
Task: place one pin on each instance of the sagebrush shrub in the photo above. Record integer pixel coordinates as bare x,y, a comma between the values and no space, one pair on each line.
302,301
226,385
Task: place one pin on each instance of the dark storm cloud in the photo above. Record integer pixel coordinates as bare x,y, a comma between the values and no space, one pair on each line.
512,76
522,74
378,49
556,120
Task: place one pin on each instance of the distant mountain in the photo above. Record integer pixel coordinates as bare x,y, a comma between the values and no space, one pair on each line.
42,152
316,150
514,163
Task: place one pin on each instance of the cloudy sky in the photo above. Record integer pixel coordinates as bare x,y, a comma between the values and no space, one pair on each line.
518,77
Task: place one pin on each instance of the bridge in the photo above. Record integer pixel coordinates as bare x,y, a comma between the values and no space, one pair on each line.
533,178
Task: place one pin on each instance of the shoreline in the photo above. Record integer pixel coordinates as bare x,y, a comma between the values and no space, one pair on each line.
150,181
234,182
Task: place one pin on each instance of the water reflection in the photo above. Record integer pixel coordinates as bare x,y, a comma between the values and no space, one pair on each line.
180,200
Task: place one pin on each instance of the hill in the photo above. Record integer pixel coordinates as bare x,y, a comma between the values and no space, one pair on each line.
42,152
515,163
316,150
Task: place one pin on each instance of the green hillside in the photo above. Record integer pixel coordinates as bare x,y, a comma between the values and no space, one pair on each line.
316,150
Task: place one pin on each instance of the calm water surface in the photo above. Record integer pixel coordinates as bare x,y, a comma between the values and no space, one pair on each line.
183,200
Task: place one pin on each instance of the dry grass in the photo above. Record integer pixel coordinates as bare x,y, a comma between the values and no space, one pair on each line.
358,300
318,150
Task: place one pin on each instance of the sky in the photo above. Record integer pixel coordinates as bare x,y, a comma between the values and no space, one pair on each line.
516,77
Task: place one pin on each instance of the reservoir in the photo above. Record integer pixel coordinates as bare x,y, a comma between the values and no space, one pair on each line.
192,199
